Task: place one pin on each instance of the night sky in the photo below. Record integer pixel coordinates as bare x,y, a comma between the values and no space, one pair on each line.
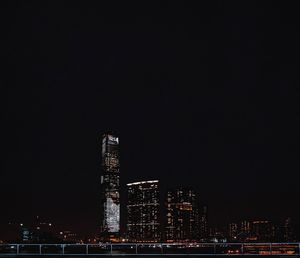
203,96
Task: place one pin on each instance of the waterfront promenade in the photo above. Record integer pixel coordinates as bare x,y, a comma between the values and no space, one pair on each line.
156,249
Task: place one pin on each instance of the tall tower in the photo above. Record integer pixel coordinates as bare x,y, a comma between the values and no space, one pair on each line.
143,218
110,189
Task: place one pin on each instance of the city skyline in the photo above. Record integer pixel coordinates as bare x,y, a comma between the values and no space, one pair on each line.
174,216
201,96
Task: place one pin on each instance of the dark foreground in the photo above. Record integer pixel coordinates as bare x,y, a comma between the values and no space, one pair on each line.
158,256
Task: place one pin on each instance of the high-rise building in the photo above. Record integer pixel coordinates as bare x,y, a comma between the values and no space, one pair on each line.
287,232
245,230
233,231
182,215
110,188
203,223
262,230
283,231
143,216
245,227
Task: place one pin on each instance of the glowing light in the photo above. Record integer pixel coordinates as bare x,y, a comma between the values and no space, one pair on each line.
143,182
113,215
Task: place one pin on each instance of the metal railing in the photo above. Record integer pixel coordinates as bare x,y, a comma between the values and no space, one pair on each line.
152,249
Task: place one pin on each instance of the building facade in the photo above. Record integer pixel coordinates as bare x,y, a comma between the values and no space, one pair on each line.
182,215
245,231
143,216
204,234
288,232
262,231
233,231
110,189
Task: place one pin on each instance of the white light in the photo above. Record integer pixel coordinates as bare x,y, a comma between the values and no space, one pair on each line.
143,182
113,215
113,138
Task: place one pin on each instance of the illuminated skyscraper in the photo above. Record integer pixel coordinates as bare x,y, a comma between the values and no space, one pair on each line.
182,215
110,189
143,212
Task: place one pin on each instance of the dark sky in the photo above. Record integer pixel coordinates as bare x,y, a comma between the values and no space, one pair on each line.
199,95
